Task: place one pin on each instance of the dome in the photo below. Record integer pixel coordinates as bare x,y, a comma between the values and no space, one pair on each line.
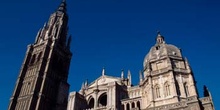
161,50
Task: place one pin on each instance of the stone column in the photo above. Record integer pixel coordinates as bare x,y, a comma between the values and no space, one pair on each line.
125,106
135,104
96,98
130,105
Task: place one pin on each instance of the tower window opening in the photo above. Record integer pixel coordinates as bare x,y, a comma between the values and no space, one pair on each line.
159,40
29,83
33,59
39,56
157,47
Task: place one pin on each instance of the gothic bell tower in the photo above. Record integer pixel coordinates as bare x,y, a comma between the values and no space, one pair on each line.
42,81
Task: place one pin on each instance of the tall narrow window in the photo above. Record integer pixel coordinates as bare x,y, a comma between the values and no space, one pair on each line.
178,89
157,91
167,89
39,56
33,59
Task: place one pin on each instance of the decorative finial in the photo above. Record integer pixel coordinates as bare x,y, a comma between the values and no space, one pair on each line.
96,83
129,78
103,71
86,83
140,76
129,73
122,74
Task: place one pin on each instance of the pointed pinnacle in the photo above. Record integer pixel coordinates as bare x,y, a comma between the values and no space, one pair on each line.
62,6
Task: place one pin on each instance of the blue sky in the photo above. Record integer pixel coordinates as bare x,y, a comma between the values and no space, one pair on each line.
115,34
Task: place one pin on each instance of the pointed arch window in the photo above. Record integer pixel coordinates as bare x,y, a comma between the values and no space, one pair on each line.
167,89
157,91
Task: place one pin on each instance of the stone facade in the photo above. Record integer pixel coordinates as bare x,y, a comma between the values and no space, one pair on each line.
166,82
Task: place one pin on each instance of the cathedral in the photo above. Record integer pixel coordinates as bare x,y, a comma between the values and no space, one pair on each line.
166,81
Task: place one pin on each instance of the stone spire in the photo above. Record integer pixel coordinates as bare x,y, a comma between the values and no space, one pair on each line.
56,28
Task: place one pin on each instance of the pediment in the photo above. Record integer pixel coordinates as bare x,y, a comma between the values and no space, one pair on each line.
102,80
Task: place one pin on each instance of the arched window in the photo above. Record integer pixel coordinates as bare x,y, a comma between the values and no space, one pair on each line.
103,100
186,89
157,91
132,105
166,89
138,105
128,106
91,102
